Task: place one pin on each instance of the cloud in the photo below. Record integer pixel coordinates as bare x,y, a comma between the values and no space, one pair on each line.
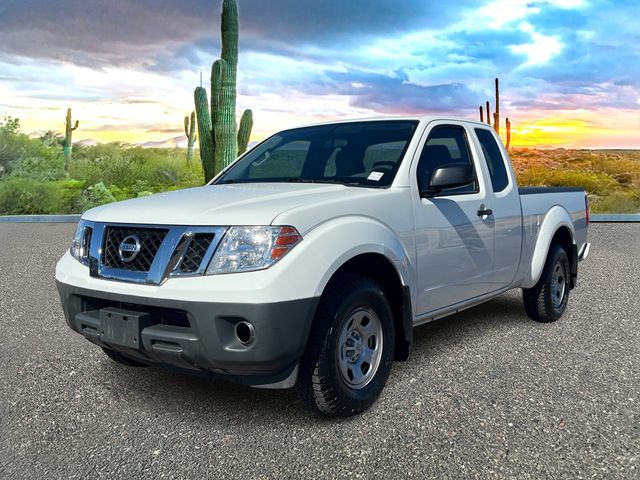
131,32
94,32
541,49
396,95
310,60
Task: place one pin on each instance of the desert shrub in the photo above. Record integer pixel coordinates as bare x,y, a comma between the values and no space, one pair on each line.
71,195
33,178
624,169
597,183
101,163
27,157
617,202
19,196
94,196
47,164
125,167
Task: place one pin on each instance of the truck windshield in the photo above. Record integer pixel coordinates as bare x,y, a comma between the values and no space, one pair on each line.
356,153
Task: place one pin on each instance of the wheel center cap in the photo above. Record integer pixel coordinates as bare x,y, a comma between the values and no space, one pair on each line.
358,348
354,346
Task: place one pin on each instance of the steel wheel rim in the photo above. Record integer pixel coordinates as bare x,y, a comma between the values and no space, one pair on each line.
359,349
558,284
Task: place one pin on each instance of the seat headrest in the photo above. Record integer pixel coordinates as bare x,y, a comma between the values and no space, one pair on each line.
348,162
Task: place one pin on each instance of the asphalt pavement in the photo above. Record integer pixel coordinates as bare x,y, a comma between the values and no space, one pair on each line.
487,393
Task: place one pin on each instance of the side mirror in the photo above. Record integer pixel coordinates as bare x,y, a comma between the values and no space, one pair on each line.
452,175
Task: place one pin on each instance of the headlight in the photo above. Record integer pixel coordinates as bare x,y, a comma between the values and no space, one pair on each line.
81,242
245,249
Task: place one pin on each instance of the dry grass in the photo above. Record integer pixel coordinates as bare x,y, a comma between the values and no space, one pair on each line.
610,177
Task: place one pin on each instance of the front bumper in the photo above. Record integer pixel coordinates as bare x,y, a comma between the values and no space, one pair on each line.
199,336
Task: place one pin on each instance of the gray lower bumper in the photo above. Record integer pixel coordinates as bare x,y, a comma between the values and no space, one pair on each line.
200,336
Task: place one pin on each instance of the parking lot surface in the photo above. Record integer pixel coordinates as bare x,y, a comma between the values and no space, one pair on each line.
487,393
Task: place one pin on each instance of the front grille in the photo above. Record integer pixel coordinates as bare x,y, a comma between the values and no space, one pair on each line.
150,241
195,253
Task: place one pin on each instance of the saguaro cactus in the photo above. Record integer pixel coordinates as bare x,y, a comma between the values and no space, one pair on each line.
190,132
68,133
220,143
244,131
496,115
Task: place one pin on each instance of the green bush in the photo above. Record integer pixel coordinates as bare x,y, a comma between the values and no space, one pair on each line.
94,196
22,196
71,195
33,178
46,165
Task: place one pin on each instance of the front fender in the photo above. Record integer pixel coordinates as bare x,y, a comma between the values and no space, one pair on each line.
335,242
556,218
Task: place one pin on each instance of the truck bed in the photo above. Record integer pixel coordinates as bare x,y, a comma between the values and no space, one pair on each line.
538,203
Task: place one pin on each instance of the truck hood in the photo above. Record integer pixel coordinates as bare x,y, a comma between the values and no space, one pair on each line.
238,204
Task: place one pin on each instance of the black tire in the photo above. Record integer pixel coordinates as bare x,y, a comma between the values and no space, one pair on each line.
321,380
545,302
121,359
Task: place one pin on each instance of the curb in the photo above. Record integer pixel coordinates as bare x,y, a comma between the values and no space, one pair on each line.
595,218
39,218
615,218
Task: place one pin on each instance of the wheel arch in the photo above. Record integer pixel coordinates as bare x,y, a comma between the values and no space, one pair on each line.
557,227
564,238
382,270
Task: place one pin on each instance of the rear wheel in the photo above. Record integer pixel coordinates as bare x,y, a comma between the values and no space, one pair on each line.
350,350
121,359
547,300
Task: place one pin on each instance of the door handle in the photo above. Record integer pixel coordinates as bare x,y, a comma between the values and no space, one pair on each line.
484,211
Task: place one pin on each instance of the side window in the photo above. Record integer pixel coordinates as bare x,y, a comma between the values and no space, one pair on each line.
285,161
446,144
493,157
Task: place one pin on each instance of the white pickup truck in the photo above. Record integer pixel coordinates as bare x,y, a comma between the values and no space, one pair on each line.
311,258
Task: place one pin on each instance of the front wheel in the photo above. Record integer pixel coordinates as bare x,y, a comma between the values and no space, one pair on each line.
547,300
350,350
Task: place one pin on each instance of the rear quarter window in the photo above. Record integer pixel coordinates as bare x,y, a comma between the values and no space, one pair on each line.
493,158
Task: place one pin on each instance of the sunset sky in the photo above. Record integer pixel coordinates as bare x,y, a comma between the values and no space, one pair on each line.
569,69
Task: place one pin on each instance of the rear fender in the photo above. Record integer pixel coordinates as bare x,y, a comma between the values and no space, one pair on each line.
556,218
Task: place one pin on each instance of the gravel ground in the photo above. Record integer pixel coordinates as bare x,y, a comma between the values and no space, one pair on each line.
486,394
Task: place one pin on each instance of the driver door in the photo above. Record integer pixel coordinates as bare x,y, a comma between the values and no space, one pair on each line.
454,242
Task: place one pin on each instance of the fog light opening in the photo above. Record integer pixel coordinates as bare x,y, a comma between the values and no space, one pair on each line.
244,333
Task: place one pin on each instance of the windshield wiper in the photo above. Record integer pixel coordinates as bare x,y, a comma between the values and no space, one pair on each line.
300,180
320,180
337,182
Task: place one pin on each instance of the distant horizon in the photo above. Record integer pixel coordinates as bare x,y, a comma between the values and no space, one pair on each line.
255,142
182,138
569,69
